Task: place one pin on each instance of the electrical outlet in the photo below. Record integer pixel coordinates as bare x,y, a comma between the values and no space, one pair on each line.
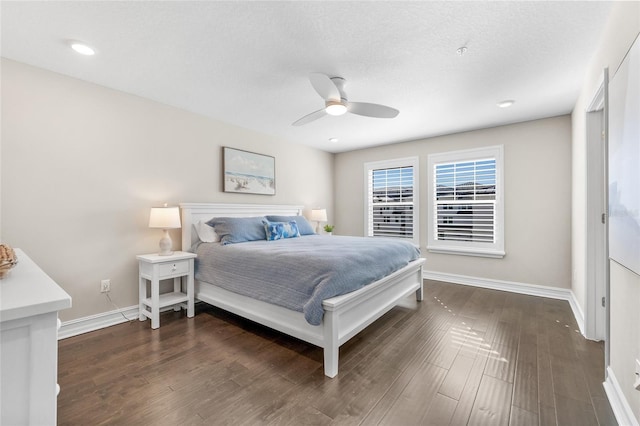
105,286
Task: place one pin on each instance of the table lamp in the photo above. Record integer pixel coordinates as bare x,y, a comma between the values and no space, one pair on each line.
318,215
165,218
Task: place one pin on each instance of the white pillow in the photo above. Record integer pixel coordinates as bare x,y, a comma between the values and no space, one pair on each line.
206,233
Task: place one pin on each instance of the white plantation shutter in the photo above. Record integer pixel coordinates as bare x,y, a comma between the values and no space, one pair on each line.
391,199
466,193
465,201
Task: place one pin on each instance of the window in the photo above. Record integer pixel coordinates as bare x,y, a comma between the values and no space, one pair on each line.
467,214
391,199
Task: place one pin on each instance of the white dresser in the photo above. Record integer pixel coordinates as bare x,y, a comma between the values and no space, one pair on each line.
29,305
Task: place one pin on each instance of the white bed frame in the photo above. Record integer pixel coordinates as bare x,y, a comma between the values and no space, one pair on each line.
344,316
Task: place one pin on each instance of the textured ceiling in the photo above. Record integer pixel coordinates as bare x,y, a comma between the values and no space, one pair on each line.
247,63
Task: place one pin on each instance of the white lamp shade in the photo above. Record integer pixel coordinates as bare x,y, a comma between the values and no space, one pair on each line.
318,215
164,217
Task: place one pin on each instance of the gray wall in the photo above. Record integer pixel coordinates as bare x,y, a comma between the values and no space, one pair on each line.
82,165
537,163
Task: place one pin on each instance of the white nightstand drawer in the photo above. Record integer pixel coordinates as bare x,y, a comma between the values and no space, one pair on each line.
172,268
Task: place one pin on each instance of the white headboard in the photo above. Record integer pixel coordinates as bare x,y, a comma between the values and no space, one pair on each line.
193,212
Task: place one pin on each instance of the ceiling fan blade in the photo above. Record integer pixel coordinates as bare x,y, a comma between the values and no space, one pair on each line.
372,110
324,86
310,117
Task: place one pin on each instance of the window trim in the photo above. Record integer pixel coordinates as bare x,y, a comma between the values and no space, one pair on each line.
391,164
465,248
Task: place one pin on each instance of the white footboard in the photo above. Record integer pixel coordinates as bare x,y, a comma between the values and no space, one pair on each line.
347,315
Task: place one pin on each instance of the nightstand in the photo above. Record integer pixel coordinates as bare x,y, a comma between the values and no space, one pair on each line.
155,268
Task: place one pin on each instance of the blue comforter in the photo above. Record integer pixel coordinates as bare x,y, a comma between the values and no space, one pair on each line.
299,273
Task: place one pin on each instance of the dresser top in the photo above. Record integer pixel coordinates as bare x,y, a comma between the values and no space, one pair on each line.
27,291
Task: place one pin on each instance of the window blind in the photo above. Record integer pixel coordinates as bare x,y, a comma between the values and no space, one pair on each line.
464,201
391,202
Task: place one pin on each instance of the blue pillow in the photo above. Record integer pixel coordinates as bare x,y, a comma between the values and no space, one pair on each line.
280,230
238,229
303,226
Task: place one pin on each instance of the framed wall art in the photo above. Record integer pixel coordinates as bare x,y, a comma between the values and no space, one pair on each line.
248,173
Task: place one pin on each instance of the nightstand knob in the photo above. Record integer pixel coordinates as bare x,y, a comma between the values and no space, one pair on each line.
173,267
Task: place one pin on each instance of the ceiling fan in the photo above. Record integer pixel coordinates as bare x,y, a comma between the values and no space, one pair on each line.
336,103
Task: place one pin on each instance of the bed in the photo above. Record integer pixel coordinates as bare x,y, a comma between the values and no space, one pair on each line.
344,315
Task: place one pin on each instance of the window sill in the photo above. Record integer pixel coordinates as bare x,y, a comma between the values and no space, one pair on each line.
496,254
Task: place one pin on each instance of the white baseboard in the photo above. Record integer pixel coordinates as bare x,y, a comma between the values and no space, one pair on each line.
96,322
513,287
619,405
577,313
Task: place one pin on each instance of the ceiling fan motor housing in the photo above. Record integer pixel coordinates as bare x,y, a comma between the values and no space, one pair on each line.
340,82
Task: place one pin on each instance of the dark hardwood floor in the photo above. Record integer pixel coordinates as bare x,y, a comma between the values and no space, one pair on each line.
464,355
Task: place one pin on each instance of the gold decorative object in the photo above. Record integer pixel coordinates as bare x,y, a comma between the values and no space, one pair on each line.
8,259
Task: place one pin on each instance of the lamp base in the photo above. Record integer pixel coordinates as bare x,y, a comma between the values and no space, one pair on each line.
165,244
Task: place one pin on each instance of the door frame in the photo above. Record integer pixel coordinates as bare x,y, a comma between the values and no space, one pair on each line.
597,246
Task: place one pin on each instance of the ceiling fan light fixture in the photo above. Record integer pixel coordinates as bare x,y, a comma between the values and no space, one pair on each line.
335,108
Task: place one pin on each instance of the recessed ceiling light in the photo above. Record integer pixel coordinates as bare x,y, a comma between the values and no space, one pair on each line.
82,48
505,104
333,140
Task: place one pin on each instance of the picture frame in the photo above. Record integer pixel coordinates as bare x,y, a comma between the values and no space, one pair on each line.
248,172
